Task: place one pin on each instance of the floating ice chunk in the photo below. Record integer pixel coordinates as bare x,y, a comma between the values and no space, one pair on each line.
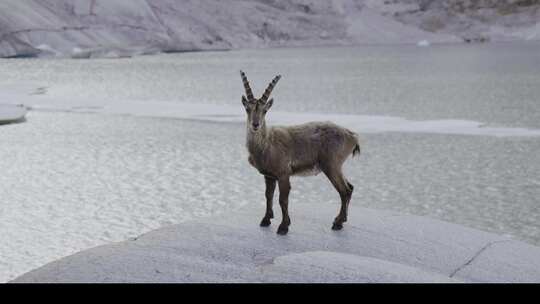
423,43
11,113
78,53
48,50
44,47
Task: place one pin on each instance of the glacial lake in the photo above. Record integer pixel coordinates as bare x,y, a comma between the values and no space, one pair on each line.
86,168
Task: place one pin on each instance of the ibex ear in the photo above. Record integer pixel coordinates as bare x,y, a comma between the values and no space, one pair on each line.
268,104
244,101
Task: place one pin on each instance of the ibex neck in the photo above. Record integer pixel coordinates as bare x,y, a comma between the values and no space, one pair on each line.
256,141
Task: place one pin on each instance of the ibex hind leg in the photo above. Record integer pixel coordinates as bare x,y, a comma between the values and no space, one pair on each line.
351,189
345,189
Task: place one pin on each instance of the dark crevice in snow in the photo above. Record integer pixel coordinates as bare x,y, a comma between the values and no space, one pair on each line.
475,256
154,10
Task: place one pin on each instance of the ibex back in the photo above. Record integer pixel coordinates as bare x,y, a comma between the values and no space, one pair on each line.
281,152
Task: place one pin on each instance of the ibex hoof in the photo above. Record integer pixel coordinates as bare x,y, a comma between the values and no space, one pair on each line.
282,229
337,226
265,222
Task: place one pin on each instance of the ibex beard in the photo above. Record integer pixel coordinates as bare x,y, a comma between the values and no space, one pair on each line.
307,149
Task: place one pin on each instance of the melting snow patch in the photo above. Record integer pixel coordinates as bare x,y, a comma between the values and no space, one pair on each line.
359,123
233,114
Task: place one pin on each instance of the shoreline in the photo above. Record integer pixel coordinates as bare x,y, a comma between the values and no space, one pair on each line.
91,54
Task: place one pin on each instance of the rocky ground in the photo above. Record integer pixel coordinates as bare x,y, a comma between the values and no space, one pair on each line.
374,246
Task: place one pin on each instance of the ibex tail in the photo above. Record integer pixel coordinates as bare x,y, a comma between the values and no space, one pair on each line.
356,150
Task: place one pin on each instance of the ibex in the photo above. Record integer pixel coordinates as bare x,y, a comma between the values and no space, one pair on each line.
281,152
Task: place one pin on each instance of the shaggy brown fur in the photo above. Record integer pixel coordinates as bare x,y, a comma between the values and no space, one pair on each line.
307,149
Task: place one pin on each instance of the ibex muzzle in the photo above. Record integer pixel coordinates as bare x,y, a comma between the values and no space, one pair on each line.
281,152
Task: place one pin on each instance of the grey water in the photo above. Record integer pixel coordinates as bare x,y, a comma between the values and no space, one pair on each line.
496,83
72,181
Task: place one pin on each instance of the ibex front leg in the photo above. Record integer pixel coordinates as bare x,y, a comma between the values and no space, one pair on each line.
269,193
284,189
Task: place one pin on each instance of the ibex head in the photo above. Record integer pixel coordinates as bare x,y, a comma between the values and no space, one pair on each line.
256,108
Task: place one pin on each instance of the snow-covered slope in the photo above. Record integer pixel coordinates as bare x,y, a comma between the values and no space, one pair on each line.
366,24
472,20
374,246
85,28
99,28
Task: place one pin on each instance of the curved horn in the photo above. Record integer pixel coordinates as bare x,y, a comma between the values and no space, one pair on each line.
270,88
249,93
